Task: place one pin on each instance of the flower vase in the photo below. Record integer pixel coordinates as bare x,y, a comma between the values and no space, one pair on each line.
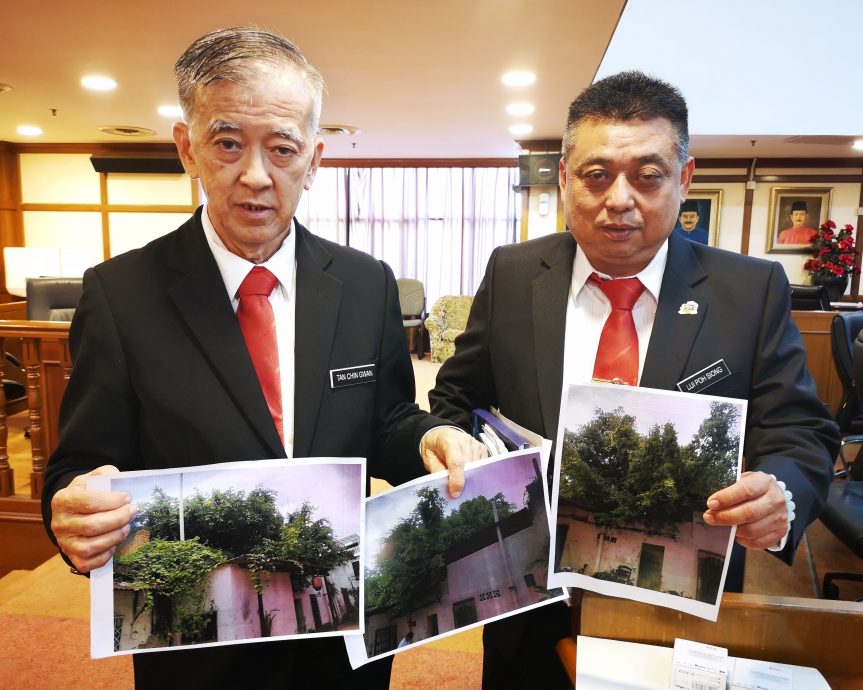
835,286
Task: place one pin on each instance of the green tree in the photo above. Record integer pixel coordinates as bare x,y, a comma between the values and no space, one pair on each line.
596,460
472,516
308,544
160,515
411,568
414,568
624,478
234,521
714,451
650,492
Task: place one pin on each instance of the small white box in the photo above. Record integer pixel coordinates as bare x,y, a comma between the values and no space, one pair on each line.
698,666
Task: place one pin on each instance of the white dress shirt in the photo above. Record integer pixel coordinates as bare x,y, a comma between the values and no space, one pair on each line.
283,265
588,308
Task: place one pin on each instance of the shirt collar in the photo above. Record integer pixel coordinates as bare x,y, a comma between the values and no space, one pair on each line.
650,276
234,269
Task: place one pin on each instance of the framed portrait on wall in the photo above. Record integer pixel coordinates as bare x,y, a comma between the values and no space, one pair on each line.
698,220
794,216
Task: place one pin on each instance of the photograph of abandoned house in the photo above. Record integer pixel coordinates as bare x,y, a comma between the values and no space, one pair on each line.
256,553
634,470
437,565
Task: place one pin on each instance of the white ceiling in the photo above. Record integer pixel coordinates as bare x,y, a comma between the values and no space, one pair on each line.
765,70
423,79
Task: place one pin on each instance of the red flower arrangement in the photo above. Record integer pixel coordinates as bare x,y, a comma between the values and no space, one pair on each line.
832,252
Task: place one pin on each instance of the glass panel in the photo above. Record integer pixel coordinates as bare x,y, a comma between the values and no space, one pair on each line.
133,230
149,189
82,230
58,178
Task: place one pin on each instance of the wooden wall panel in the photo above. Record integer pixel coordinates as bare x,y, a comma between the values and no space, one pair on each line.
11,229
815,329
24,544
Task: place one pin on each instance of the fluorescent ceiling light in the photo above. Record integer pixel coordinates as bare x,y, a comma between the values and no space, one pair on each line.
518,78
170,111
858,145
96,83
520,130
520,109
30,131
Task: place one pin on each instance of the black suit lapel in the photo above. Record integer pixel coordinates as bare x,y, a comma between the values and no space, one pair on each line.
319,297
674,333
200,297
549,295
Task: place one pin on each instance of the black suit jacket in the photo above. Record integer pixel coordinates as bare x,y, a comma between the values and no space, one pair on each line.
162,378
511,354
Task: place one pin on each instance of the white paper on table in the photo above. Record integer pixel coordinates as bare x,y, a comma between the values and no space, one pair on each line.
761,675
603,664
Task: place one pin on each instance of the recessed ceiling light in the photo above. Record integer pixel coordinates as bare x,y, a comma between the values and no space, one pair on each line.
520,109
858,145
96,83
520,130
126,130
518,78
30,131
4,88
170,111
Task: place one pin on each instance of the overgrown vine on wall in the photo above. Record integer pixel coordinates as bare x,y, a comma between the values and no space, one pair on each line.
177,570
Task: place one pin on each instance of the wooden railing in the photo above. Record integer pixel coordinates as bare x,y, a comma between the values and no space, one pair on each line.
44,348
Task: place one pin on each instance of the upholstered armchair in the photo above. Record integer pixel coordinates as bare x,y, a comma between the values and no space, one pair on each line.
446,320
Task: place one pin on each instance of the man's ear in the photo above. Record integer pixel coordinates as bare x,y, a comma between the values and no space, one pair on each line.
686,178
184,148
314,164
561,175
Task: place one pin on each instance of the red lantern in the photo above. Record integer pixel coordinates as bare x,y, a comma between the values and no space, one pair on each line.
317,582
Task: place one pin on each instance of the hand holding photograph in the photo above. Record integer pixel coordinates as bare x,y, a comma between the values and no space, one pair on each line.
232,553
634,469
436,566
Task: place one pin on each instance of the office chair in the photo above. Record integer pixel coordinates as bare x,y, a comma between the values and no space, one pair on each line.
412,298
810,298
843,333
53,299
843,514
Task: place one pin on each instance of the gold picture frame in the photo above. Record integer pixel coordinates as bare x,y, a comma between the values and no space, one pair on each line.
703,227
810,206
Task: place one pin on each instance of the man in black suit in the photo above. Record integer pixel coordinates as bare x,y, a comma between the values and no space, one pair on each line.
164,376
536,322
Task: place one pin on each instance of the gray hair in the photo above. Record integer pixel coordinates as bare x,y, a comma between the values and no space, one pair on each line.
232,54
630,96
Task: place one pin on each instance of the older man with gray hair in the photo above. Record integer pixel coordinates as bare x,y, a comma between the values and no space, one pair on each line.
218,342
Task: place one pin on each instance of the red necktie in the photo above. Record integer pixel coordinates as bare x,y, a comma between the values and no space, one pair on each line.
255,314
617,354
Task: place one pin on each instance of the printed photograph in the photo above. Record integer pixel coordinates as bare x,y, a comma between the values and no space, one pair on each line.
435,565
230,553
698,219
635,467
794,216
